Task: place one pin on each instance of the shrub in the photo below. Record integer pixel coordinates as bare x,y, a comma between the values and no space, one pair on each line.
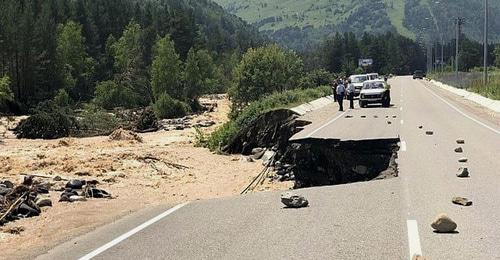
6,94
62,98
241,119
94,121
46,125
109,95
146,121
167,107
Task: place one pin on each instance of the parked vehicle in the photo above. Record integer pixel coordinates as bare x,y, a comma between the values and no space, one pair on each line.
357,81
373,92
372,76
418,74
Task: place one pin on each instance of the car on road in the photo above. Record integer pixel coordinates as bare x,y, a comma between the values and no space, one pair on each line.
372,76
357,81
375,92
418,74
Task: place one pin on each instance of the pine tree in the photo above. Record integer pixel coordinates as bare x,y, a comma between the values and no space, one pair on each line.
166,70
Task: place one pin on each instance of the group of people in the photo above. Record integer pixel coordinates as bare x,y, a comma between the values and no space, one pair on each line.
343,87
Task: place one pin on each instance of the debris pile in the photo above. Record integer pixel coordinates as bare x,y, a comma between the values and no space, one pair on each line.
124,135
26,199
184,123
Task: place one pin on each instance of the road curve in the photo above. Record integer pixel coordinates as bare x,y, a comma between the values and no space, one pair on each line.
387,219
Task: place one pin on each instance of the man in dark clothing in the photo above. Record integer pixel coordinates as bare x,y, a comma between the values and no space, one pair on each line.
340,96
334,88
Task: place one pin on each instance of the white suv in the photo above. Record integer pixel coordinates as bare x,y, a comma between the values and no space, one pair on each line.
357,81
375,91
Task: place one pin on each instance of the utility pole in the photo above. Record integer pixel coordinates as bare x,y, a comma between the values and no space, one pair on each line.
485,42
459,23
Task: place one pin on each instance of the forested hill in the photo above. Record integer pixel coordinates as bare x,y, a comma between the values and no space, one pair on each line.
52,44
298,23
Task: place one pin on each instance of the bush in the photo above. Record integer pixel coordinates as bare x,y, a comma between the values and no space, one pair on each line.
62,98
316,78
94,121
241,119
46,125
109,95
6,94
167,107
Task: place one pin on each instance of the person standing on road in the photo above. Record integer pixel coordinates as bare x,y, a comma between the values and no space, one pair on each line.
340,95
350,94
334,88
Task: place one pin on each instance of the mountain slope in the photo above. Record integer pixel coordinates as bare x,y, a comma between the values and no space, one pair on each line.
285,20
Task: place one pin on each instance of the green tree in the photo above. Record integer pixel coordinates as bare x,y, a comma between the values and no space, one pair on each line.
109,95
167,107
497,56
62,98
72,58
201,75
166,70
263,71
128,53
6,94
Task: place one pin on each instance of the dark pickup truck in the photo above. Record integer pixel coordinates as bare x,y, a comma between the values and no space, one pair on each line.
418,74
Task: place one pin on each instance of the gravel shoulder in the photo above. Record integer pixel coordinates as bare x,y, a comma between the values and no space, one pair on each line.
178,172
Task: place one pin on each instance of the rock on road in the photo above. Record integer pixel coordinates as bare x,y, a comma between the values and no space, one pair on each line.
386,219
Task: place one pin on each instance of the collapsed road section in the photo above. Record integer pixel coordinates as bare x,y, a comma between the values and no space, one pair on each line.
335,156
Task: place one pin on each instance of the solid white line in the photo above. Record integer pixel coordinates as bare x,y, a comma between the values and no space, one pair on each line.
413,238
131,233
325,125
462,113
403,146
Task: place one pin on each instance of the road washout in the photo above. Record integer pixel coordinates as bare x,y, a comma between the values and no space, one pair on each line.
314,162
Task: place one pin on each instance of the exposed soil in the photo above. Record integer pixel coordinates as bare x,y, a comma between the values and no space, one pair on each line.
165,168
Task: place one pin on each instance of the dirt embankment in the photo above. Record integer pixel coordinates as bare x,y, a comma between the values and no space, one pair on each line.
157,168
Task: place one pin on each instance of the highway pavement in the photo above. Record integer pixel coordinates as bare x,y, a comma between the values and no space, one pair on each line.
385,219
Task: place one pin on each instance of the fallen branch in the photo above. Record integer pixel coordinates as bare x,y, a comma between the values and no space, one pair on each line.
45,176
12,206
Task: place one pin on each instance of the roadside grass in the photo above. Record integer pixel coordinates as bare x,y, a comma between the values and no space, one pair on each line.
491,90
239,120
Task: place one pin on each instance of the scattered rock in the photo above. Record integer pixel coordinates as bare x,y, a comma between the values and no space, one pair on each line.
348,116
463,160
74,198
267,157
418,257
460,141
389,122
63,143
459,150
246,159
420,127
43,201
443,224
292,200
75,184
57,178
363,116
461,201
429,132
257,153
205,123
111,179
463,172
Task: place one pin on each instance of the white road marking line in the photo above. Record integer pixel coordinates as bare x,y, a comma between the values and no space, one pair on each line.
130,233
462,113
401,108
403,146
402,122
413,238
325,125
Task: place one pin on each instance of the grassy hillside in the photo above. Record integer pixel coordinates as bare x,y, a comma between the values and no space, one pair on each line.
298,23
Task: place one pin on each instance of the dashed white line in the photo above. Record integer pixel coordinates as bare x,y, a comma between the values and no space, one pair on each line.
325,125
130,233
403,146
402,122
462,113
413,238
401,108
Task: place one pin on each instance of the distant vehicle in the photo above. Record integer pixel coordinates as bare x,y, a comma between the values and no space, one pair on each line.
373,76
418,74
357,81
373,92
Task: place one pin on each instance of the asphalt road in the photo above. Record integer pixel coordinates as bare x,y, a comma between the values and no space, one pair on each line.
387,219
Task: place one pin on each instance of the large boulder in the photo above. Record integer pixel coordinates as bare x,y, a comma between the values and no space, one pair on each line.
292,200
444,224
